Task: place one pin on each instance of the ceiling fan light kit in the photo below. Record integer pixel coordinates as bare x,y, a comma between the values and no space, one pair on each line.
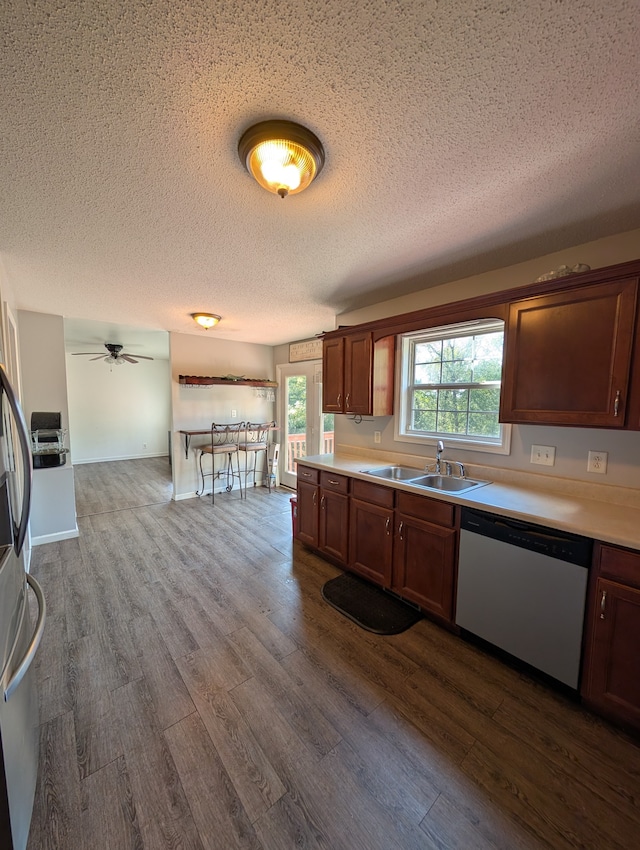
206,320
282,156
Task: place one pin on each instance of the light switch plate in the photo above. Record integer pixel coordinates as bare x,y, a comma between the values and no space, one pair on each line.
544,455
376,436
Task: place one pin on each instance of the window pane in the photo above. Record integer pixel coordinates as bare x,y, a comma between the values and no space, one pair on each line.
484,425
457,372
425,399
450,422
423,420
453,399
428,352
484,400
428,373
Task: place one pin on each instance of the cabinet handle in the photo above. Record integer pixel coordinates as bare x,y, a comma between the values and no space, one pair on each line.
339,399
387,524
603,602
400,527
616,404
315,498
322,502
331,481
306,474
348,400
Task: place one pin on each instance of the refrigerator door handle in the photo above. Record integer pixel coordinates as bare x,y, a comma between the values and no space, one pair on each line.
34,643
25,451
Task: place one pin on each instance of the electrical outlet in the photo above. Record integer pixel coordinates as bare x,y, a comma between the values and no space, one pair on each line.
597,462
544,455
234,414
144,445
376,436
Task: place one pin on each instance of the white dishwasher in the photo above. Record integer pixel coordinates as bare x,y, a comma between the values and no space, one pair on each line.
522,588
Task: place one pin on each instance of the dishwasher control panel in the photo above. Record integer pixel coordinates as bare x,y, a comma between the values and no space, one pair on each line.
561,545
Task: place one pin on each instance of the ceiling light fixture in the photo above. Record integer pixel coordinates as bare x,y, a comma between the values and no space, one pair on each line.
282,156
206,320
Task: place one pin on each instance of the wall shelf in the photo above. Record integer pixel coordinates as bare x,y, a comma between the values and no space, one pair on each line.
204,381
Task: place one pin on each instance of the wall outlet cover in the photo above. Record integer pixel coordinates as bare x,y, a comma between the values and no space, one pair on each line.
597,462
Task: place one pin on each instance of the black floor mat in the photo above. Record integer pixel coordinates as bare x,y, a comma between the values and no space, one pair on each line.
368,606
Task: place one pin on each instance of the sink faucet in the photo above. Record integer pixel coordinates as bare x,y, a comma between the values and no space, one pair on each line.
439,450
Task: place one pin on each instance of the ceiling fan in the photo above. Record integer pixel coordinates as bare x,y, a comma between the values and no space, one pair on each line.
115,355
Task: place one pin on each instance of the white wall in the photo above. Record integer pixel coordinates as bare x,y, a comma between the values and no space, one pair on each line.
195,408
572,444
44,388
118,412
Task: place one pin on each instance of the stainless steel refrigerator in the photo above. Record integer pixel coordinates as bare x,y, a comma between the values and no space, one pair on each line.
20,630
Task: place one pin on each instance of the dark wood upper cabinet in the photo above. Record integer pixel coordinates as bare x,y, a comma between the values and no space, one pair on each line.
568,356
333,375
357,374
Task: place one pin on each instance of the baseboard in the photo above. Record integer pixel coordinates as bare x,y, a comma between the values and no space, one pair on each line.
123,457
54,538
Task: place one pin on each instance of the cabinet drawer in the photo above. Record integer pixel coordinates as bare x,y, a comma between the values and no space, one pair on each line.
306,473
620,564
374,493
422,507
336,483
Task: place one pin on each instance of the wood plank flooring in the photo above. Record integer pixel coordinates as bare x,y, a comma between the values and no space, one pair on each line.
197,692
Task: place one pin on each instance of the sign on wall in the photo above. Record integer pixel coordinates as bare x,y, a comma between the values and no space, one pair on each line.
311,350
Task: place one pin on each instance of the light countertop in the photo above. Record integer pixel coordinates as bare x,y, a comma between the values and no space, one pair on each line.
599,519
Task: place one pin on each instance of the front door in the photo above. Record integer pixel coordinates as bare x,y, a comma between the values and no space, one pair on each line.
305,430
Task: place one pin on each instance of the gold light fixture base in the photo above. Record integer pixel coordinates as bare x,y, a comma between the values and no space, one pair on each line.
283,157
206,320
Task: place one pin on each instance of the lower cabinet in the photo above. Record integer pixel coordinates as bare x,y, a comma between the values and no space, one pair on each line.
611,673
371,531
323,512
423,565
308,499
410,550
333,532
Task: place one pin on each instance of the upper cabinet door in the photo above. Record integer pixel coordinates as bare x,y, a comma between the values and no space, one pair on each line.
358,373
333,375
568,356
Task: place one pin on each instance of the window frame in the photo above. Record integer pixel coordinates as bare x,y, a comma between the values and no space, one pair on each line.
404,381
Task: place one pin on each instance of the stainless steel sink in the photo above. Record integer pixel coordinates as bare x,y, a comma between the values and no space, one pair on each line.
431,481
447,483
395,473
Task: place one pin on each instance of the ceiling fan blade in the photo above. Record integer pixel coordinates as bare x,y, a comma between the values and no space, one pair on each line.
137,356
82,353
96,358
128,358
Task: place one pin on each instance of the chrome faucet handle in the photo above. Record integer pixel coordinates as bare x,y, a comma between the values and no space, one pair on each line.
460,467
447,468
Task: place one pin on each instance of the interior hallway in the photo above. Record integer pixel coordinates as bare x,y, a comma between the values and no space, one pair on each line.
197,692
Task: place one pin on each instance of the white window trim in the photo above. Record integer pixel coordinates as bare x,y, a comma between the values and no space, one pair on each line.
501,445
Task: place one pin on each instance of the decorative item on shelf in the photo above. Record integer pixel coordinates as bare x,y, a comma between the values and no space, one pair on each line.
283,157
563,271
47,440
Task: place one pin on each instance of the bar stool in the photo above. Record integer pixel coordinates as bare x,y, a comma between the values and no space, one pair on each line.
224,441
256,439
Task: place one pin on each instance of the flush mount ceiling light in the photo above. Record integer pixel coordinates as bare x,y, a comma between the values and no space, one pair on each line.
282,156
206,320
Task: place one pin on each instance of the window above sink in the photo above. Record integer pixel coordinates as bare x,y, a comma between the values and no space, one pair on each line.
449,386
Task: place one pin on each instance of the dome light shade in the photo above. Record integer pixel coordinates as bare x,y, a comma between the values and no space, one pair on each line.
282,156
206,320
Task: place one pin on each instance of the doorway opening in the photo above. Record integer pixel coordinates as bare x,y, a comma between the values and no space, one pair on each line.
305,429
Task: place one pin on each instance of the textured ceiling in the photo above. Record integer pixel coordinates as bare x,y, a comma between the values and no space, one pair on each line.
460,136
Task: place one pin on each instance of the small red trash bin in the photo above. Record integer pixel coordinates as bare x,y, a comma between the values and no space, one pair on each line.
294,514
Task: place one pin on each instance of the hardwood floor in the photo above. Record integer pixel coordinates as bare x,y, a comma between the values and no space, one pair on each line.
118,484
197,692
